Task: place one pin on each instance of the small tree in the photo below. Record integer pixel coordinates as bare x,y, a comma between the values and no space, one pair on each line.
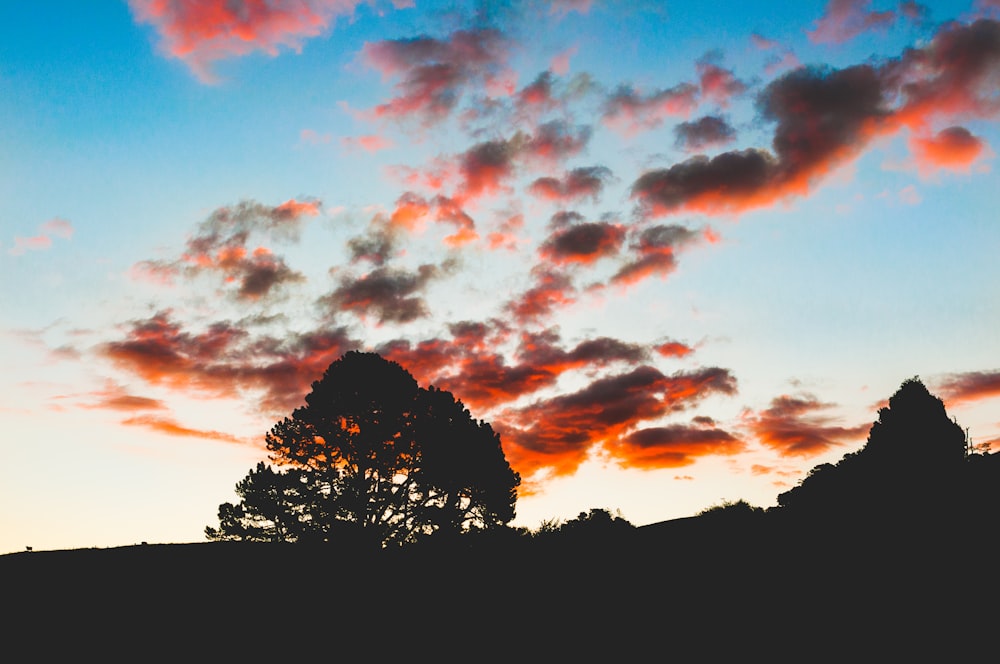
372,449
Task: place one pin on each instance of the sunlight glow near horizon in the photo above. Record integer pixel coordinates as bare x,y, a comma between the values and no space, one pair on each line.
520,206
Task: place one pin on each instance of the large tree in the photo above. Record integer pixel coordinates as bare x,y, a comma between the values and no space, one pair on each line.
374,452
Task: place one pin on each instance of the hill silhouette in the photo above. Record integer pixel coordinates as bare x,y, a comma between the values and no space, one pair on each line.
883,555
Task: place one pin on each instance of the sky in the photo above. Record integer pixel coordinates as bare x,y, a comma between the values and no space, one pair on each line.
675,253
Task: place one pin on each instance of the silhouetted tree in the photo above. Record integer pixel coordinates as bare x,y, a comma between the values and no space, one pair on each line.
372,449
597,525
735,511
911,465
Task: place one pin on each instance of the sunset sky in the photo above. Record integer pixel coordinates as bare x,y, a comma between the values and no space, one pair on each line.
675,252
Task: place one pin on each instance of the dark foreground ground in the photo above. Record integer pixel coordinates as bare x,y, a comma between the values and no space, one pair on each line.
685,590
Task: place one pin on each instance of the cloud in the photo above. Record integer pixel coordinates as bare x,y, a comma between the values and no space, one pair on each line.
433,72
554,142
485,168
673,349
955,75
628,111
225,360
201,33
653,254
954,148
583,243
53,228
844,20
560,61
170,427
551,290
367,142
577,184
718,85
792,427
672,446
556,434
825,117
220,246
561,8
961,388
391,295
115,397
377,245
706,132
469,364
537,97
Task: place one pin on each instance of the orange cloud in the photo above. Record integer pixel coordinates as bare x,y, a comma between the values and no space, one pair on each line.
792,427
552,290
672,446
960,388
225,360
557,434
170,427
954,148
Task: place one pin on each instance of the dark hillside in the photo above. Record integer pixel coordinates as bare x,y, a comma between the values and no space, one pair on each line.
692,586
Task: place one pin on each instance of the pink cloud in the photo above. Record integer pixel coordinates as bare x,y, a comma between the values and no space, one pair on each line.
560,61
433,72
55,227
200,33
846,19
368,142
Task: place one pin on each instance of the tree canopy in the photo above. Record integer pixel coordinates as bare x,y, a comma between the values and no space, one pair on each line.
374,453
913,462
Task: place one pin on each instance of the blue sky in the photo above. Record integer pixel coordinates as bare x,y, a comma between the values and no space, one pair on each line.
676,253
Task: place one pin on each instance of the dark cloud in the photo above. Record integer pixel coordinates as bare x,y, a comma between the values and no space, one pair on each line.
844,20
220,246
391,295
653,254
825,117
706,132
555,141
583,243
225,360
794,426
551,290
630,111
486,167
433,73
578,183
822,116
958,388
556,434
377,245
672,446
